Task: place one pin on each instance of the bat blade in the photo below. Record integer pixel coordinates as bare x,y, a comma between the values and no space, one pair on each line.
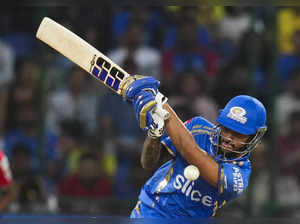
81,53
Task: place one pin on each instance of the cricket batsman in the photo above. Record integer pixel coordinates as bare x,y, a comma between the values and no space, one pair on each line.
219,152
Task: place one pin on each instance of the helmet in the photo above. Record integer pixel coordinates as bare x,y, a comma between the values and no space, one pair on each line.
245,115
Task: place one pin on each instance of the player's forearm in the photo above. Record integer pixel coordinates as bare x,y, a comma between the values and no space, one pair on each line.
151,153
188,148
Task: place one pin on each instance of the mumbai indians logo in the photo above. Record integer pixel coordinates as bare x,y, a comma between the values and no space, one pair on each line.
105,72
237,114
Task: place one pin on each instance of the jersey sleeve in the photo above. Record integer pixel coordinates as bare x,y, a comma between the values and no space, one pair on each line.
167,142
5,172
167,145
233,179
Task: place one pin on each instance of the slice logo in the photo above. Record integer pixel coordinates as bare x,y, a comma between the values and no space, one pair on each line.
237,114
106,72
186,187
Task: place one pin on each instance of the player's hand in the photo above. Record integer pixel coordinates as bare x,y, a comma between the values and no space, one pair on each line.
144,103
134,84
143,92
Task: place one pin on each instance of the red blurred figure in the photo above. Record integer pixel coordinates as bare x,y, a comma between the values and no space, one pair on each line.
8,192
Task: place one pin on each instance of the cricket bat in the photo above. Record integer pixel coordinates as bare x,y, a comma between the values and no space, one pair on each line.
90,59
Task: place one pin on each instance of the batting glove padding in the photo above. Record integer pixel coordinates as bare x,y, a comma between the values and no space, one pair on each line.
134,84
143,103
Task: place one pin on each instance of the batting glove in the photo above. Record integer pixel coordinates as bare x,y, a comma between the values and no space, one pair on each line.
144,103
134,84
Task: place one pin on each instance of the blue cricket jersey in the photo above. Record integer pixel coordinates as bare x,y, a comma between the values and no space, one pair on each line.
169,194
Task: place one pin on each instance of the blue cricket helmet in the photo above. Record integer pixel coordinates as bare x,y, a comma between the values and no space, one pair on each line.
245,115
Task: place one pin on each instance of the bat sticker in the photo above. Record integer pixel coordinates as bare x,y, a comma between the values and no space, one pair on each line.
105,72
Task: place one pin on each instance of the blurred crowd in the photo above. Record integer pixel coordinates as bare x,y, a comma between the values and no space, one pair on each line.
70,141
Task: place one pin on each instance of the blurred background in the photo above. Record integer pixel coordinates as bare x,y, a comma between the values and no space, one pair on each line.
74,146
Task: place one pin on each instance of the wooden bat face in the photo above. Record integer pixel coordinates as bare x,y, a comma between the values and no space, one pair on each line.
81,53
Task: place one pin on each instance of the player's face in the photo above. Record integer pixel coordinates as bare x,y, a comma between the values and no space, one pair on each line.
232,141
